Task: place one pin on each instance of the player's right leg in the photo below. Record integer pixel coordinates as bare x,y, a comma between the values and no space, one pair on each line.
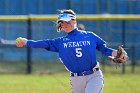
78,84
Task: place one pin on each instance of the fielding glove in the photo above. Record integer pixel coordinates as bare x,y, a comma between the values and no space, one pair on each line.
121,56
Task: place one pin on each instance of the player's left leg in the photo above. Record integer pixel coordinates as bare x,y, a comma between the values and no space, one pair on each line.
95,83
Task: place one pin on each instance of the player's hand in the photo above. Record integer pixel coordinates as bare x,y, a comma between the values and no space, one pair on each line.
20,42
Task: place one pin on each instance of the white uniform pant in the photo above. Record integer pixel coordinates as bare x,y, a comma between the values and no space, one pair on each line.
88,84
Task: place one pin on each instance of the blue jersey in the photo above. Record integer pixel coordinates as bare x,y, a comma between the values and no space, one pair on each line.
77,50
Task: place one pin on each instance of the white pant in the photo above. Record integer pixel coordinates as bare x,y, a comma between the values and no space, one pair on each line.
88,84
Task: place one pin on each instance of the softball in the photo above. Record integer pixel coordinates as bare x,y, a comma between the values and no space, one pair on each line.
18,39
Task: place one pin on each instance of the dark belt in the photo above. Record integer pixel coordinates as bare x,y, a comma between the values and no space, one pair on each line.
85,72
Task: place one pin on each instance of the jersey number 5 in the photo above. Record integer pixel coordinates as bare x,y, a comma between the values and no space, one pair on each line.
78,52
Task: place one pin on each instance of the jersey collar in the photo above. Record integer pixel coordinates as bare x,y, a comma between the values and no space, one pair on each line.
74,31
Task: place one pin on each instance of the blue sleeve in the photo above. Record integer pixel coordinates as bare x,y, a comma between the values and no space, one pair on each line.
101,46
49,44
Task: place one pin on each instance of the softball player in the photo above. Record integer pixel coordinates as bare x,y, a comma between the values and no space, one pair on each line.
77,51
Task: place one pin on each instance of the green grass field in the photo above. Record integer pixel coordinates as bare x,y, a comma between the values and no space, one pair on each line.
59,83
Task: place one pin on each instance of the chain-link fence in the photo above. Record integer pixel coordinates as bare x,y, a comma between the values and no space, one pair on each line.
13,59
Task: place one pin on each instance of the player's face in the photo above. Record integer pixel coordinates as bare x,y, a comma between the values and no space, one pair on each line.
67,26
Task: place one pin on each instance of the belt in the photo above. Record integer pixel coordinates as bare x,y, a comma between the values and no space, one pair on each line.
84,73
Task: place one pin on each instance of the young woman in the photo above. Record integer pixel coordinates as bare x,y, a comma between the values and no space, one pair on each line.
77,51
